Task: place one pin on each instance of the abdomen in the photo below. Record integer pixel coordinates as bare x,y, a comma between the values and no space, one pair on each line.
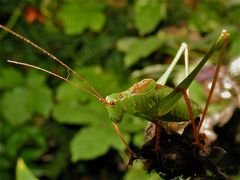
178,113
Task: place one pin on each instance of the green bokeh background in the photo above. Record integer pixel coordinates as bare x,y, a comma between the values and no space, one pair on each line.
61,132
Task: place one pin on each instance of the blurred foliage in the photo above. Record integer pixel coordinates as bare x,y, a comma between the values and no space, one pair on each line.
22,171
60,131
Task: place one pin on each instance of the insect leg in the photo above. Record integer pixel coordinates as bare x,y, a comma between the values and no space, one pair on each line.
189,107
169,101
220,61
122,138
157,135
186,63
163,79
183,49
186,60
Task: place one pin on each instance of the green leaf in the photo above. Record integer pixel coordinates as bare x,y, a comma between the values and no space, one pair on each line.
41,95
21,103
10,78
76,16
22,171
68,93
77,107
41,99
125,43
17,106
89,73
209,18
35,79
138,172
138,139
95,48
197,93
141,48
31,139
94,141
148,14
234,49
75,113
99,79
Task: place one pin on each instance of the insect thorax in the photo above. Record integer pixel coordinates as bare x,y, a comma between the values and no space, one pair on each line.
139,98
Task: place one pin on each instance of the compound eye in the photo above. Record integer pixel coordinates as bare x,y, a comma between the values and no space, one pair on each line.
112,103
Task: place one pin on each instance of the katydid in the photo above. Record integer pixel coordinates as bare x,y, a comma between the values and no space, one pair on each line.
150,99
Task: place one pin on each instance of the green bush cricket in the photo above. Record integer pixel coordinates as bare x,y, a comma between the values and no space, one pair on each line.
148,98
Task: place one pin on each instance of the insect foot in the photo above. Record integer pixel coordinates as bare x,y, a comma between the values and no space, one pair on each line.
179,156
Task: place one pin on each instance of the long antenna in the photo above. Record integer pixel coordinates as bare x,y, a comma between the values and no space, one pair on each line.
95,94
54,74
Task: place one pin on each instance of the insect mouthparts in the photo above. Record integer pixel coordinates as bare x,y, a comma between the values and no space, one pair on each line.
103,100
112,103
